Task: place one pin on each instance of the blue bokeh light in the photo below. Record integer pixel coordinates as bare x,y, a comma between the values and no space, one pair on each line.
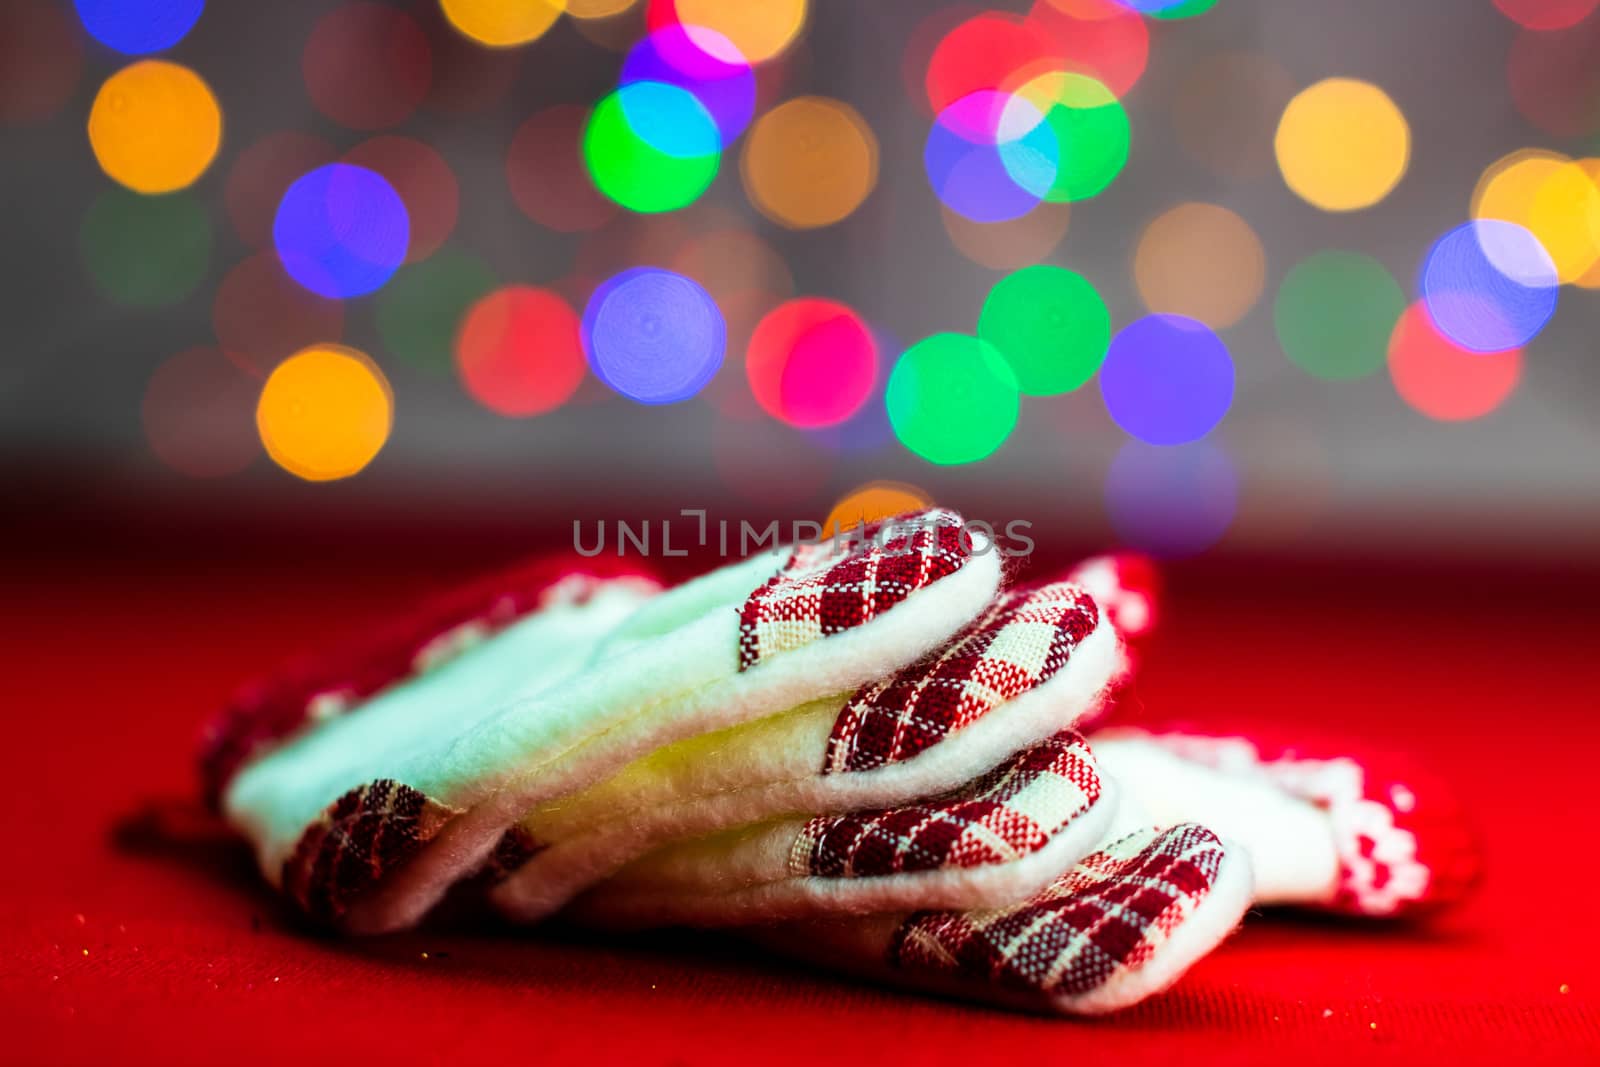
991,157
1171,502
670,119
703,63
1167,379
341,230
654,336
1489,285
139,27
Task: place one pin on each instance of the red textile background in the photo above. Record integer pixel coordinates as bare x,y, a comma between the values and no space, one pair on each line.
130,936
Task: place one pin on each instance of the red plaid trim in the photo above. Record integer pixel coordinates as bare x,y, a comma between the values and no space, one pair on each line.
1020,642
268,710
366,833
1107,915
1011,812
815,596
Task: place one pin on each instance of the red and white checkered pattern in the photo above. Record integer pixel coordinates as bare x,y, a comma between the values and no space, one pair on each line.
1019,642
1007,814
1108,915
819,593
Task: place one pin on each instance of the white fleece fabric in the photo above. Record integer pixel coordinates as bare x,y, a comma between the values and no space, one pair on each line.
670,672
773,767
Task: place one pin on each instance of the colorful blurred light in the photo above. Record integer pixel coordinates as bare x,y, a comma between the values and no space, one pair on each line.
196,414
547,175
1050,325
263,172
367,66
952,399
502,23
1546,14
874,501
467,78
324,413
1335,313
41,58
1171,502
1184,9
1555,81
665,172
1342,145
155,127
1167,380
809,162
145,251
730,259
424,183
420,310
703,63
1200,261
341,230
654,336
991,157
137,27
261,316
518,351
1489,285
1552,197
812,362
992,52
1090,126
759,29
598,9
1225,110
1110,45
1441,379
1011,244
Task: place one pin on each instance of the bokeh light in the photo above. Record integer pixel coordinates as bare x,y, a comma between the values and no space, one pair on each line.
1225,110
137,27
424,182
1090,126
325,413
341,230
1167,380
1555,81
420,310
1171,502
1342,144
991,157
1546,14
759,29
263,172
1106,42
809,162
1441,379
41,59
547,174
196,412
367,66
1010,244
145,251
874,501
598,9
1184,9
518,351
502,23
467,78
654,336
1335,312
993,52
669,170
155,126
1200,261
1050,325
705,64
728,259
952,399
1489,285
1552,197
812,362
261,316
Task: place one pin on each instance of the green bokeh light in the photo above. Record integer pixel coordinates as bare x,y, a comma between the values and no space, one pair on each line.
145,251
1185,10
1334,314
1050,325
420,309
952,399
636,174
1090,126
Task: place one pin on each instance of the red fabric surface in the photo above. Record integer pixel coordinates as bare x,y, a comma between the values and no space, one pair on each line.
129,941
